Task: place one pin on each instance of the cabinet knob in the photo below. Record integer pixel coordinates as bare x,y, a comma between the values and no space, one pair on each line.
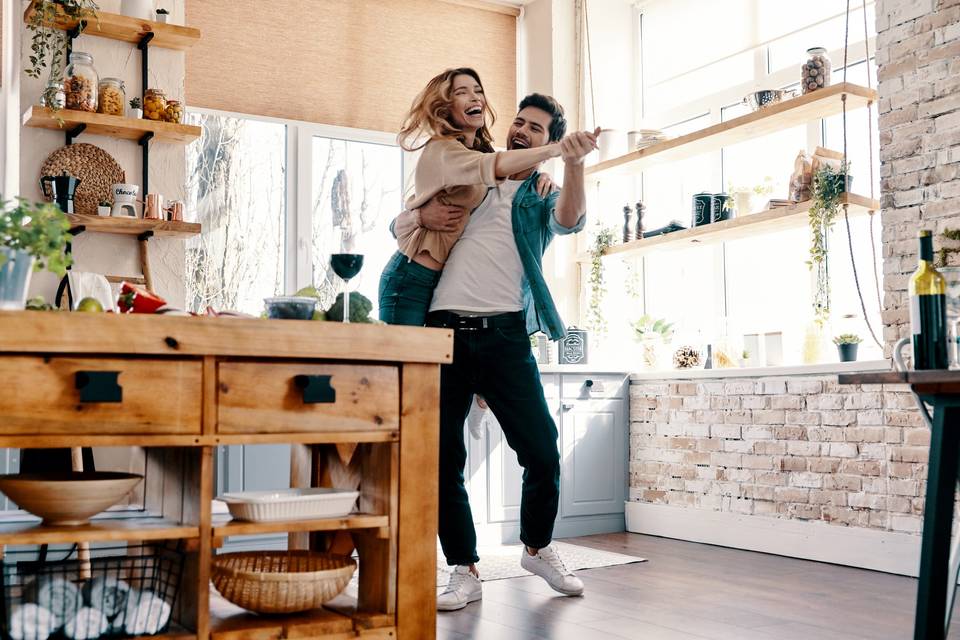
588,383
98,386
567,406
316,389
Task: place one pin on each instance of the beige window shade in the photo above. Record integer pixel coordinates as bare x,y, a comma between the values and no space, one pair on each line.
353,63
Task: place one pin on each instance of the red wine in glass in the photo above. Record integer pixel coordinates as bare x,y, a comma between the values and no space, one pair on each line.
346,265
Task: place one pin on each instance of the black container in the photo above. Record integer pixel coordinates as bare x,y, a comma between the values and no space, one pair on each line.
61,190
848,352
702,207
721,207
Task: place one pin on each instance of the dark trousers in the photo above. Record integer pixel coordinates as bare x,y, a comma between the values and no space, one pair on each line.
498,364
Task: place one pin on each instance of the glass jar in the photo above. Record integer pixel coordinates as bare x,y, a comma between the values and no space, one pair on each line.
174,111
815,72
154,105
111,96
53,95
82,82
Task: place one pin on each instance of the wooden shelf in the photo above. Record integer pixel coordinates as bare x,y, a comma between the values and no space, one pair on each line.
224,527
98,530
113,126
117,27
134,226
767,221
790,113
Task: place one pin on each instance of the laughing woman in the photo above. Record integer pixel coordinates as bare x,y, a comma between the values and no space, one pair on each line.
449,121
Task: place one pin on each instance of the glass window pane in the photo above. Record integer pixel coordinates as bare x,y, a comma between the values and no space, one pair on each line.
683,286
858,137
790,50
356,193
237,188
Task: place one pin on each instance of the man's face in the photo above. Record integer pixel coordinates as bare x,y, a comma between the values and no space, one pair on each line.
530,128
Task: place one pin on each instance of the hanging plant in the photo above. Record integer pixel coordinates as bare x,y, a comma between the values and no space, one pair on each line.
603,240
48,43
829,184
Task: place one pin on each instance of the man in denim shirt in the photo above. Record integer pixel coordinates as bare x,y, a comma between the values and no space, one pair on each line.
493,294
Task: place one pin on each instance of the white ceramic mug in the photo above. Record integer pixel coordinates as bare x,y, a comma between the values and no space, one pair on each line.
611,143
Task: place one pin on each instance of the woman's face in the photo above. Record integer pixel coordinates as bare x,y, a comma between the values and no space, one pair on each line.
467,102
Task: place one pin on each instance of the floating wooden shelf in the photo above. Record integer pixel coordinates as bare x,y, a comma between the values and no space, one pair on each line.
746,226
100,529
133,226
127,29
113,126
223,527
784,115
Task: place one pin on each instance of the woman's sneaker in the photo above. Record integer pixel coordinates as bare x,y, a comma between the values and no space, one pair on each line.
463,588
548,565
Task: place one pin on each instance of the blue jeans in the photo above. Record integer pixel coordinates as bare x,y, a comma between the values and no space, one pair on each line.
406,290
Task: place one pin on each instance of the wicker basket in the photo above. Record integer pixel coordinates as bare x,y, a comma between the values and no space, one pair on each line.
281,581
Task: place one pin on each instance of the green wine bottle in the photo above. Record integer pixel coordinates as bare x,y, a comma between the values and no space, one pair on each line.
928,310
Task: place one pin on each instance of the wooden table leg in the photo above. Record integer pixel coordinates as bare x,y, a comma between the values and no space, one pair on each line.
937,521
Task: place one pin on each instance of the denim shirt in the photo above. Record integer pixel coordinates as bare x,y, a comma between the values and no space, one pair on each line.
534,225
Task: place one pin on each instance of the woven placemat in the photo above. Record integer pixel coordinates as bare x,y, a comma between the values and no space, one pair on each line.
96,169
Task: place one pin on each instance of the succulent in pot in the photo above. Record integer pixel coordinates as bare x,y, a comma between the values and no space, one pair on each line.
103,208
654,336
847,344
162,15
33,236
136,109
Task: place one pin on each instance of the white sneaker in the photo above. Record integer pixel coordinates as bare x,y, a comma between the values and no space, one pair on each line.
463,588
548,565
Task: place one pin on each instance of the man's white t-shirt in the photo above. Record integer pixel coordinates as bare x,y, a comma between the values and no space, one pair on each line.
483,273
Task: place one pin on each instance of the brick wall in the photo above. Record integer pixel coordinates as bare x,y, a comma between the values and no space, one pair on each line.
797,447
918,59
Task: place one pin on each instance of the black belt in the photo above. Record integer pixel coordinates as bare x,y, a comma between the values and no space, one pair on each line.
449,320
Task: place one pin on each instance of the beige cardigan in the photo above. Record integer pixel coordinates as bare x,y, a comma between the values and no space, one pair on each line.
459,176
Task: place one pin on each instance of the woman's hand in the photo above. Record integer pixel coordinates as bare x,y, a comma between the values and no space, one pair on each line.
436,216
546,185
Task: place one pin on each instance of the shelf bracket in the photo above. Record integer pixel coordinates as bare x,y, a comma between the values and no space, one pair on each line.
146,235
73,133
144,143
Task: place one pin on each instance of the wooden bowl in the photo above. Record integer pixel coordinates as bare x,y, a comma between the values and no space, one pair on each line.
68,498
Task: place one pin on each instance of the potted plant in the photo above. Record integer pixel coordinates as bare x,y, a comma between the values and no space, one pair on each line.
103,209
48,43
136,109
745,198
162,15
653,336
829,185
33,236
847,344
601,242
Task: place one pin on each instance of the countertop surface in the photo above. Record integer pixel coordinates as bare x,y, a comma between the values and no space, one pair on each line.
697,374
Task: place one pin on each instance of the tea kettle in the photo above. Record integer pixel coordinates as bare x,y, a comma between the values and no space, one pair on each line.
62,189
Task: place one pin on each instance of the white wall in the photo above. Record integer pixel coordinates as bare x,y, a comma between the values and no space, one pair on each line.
100,253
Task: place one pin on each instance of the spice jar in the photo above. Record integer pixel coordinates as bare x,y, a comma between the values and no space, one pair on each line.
154,105
815,72
174,111
111,96
82,81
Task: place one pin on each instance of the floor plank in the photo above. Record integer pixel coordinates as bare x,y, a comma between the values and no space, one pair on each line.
691,591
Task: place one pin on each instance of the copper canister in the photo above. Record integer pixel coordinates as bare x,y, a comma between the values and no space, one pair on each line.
154,208
175,211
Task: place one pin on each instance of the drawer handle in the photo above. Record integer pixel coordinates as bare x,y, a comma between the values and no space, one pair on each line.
99,386
567,406
316,389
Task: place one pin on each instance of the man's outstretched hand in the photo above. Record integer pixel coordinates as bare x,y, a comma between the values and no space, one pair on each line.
436,216
575,146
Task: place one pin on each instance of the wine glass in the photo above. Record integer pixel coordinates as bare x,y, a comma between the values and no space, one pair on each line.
346,265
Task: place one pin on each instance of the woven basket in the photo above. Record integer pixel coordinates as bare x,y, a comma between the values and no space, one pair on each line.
281,581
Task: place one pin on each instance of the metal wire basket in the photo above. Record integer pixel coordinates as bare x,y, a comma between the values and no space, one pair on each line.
127,590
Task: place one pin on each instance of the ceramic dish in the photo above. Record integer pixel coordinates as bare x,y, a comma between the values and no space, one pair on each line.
290,504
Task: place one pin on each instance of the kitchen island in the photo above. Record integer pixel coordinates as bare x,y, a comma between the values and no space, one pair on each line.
359,403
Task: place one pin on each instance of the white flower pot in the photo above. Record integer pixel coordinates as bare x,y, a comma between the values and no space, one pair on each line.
143,9
103,211
136,114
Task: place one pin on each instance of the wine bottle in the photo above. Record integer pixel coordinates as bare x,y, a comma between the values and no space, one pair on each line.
928,310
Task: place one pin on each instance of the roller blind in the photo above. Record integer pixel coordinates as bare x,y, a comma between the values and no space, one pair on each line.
352,63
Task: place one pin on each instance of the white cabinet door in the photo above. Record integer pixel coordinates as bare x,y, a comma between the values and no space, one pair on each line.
504,477
593,457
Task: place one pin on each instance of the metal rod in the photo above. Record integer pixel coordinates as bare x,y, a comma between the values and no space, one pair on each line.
145,148
72,134
144,47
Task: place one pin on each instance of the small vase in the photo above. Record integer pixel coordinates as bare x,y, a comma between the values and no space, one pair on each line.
848,352
15,275
136,114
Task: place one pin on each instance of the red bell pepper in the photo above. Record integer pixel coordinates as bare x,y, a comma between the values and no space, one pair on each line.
135,300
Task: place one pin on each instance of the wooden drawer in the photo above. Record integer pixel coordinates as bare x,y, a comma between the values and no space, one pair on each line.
579,386
295,398
94,396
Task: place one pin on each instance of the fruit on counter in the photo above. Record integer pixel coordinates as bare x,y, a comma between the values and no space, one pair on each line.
89,305
135,300
360,308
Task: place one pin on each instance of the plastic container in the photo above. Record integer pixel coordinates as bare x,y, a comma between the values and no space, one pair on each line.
290,504
111,97
290,307
82,82
154,105
815,72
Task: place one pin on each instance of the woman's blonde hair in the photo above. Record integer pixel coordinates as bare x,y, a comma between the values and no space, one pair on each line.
430,115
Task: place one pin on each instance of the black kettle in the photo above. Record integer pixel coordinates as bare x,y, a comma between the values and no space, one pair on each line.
61,189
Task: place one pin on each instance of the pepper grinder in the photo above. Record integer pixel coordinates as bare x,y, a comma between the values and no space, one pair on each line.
627,231
640,211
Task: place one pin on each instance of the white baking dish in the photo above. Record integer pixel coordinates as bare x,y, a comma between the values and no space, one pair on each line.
290,504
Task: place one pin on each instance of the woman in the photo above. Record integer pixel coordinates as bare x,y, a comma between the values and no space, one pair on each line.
449,120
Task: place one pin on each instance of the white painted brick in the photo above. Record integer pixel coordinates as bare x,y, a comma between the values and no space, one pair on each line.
906,523
804,448
801,386
772,387
843,450
724,431
757,433
806,480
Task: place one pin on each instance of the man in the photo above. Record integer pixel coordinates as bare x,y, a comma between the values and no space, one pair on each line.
493,294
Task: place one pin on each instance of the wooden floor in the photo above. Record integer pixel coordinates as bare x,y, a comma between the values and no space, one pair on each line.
692,591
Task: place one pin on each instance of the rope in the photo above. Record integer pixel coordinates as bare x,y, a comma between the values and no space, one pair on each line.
586,30
873,244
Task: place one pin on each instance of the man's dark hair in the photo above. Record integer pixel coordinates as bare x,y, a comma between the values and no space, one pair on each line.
558,125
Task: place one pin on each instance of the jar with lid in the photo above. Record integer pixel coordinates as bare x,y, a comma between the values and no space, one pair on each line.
111,96
815,72
154,105
53,96
82,82
174,111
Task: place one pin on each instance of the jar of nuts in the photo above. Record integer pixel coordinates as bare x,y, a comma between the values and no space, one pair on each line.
174,112
154,105
81,84
112,95
815,73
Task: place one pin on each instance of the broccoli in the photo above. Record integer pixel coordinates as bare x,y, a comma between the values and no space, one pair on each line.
360,308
